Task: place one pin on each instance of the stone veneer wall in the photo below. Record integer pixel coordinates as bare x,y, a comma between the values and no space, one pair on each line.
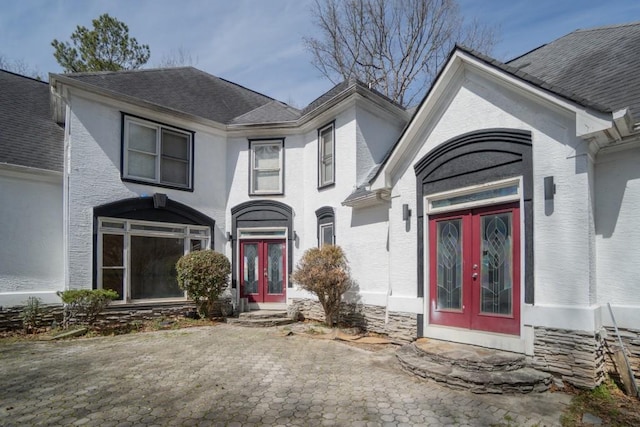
631,341
577,357
113,316
401,326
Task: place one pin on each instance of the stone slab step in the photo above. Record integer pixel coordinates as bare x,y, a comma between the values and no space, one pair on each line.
262,318
521,380
263,314
468,356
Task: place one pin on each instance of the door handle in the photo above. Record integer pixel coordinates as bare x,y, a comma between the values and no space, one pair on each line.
474,275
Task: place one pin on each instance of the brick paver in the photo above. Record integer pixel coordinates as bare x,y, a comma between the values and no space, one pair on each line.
232,376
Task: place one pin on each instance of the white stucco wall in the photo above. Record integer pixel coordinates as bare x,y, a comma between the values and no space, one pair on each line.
94,176
31,253
617,227
563,249
361,233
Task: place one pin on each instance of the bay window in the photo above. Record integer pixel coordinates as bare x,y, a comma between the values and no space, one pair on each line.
137,258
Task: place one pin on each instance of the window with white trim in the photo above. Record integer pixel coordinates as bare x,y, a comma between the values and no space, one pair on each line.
267,166
326,226
326,157
157,153
137,258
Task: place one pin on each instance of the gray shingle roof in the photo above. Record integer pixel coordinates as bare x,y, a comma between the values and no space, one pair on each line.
28,134
184,89
274,111
600,64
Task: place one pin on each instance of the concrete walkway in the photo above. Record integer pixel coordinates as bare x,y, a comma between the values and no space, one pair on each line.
232,376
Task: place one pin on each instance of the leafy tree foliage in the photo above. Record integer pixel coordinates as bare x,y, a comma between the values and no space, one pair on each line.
325,272
106,47
204,275
396,46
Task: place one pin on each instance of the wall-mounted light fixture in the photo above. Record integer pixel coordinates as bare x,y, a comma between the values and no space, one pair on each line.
229,236
549,188
406,212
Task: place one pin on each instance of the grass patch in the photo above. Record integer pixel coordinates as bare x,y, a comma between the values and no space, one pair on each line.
606,402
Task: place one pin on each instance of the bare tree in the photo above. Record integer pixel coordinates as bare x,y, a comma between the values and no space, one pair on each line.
180,57
396,46
18,66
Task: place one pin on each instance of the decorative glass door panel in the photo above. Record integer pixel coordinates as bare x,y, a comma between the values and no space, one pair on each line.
449,281
262,270
474,265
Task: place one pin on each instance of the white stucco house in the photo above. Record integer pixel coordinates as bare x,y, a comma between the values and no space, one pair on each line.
501,212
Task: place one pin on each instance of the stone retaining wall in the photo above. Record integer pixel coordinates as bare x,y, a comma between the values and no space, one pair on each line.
114,316
577,357
401,326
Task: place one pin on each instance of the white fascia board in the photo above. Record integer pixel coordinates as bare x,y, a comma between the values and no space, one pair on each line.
588,121
451,73
30,173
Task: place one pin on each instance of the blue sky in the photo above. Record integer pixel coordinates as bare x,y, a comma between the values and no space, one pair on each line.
258,43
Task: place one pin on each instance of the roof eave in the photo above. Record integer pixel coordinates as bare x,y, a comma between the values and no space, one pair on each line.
371,198
54,79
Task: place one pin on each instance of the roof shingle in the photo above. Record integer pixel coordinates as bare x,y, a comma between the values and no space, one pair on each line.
600,64
184,89
28,135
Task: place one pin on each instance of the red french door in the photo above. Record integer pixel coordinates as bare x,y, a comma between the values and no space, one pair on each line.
262,270
474,269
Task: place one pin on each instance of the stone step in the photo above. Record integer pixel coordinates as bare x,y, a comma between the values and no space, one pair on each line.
469,356
259,323
263,314
261,318
520,380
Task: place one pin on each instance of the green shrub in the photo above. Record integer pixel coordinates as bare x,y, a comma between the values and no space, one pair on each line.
84,305
325,273
30,314
204,275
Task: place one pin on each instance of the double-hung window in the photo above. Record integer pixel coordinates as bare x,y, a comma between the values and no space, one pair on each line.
157,153
267,166
326,157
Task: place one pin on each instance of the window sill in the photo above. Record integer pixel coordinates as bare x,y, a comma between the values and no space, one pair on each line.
157,184
326,186
265,194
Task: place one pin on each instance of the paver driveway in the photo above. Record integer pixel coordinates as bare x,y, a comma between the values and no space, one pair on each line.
228,375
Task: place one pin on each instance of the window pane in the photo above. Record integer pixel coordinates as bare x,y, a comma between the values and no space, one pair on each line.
250,268
481,195
113,279
266,181
162,228
142,165
174,171
275,270
153,272
327,172
326,235
327,142
496,265
175,145
196,245
266,156
142,138
112,248
449,274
